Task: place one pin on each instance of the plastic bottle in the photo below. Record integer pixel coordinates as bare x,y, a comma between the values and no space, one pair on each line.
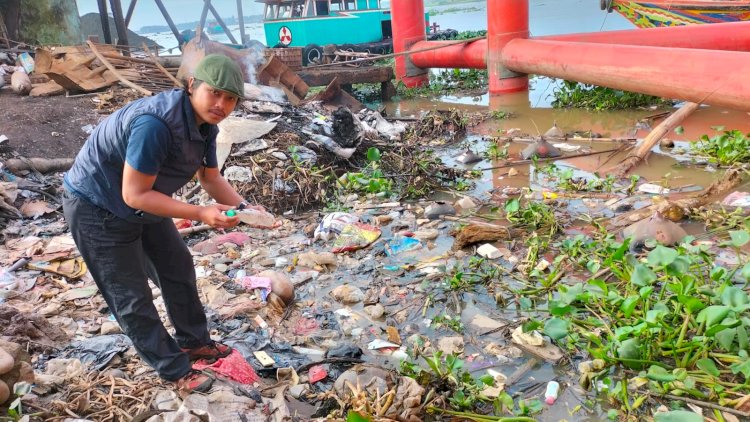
256,218
553,388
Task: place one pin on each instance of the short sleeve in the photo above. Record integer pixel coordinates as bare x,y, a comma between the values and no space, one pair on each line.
148,144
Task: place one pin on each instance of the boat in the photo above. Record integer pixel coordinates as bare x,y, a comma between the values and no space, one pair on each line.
656,13
353,25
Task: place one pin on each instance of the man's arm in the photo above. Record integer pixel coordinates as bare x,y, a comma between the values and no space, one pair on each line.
138,193
218,187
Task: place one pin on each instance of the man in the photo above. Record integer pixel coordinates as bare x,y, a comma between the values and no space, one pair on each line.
118,203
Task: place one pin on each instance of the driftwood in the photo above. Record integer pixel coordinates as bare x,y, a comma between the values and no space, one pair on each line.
42,165
731,179
642,151
477,232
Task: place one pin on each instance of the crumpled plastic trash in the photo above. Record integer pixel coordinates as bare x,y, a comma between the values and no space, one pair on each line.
355,236
332,224
401,245
211,245
346,350
99,351
253,282
59,371
737,199
234,367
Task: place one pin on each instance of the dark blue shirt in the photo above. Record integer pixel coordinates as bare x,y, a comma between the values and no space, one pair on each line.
155,135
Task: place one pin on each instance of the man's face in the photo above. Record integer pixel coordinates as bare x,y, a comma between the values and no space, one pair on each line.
211,105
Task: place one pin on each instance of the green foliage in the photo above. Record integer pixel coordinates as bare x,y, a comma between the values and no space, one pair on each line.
578,95
533,215
370,180
447,81
496,152
730,147
675,316
447,321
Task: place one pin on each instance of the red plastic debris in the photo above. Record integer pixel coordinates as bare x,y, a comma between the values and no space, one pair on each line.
317,373
305,326
233,366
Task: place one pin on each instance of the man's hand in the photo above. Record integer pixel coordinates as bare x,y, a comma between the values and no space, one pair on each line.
214,216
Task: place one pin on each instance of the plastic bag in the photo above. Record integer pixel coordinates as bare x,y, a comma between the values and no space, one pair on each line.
355,236
332,224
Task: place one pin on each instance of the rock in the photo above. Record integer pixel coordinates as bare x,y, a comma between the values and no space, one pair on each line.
375,311
26,373
20,83
321,261
485,323
488,251
368,378
6,362
439,209
655,228
348,294
110,327
382,220
298,390
426,234
469,157
540,149
280,285
167,400
4,392
666,143
451,345
465,203
222,268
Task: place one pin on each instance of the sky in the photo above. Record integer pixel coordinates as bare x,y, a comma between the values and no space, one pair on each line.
147,13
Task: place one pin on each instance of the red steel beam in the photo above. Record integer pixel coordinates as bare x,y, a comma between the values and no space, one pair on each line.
717,36
703,76
408,27
462,56
506,20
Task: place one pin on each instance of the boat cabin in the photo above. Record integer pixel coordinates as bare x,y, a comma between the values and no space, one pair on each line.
287,9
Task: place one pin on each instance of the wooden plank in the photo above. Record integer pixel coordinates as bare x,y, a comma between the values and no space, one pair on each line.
176,81
323,77
116,72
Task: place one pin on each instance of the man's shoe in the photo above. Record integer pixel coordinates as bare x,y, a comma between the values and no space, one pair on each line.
195,381
210,352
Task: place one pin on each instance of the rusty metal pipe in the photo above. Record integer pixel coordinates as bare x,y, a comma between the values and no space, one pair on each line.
464,56
713,77
716,36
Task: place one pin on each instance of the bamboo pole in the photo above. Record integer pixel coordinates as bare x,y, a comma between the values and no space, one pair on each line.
642,150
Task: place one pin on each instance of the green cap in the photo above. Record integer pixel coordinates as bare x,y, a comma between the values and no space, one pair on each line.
222,73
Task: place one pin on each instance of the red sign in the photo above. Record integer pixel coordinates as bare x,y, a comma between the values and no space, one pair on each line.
285,35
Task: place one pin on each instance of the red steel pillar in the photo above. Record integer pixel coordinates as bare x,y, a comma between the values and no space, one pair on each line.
408,26
506,20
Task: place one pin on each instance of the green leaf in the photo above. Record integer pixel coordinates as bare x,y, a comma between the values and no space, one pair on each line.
657,373
708,366
678,416
353,416
735,298
741,367
691,303
726,338
653,316
713,315
512,206
662,256
679,130
642,276
601,284
745,273
558,309
739,238
373,154
630,349
556,328
628,305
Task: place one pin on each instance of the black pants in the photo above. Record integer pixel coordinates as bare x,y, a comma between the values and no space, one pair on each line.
121,256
